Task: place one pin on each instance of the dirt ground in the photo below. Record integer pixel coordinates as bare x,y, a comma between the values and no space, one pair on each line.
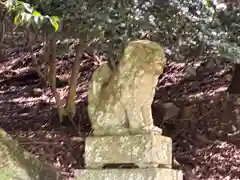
206,141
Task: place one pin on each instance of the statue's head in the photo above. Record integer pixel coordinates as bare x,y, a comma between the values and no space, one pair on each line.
144,54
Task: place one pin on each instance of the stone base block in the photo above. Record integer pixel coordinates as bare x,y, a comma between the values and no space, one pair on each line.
143,150
129,174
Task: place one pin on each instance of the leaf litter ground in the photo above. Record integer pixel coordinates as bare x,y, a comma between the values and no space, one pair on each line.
206,144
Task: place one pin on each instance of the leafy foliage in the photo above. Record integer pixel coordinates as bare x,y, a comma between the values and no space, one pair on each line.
25,15
188,29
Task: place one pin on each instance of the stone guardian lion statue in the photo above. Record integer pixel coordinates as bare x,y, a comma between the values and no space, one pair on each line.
119,101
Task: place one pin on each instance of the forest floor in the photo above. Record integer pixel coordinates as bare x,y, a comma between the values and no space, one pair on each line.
206,141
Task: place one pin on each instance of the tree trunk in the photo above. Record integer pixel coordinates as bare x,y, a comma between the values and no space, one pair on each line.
71,106
52,74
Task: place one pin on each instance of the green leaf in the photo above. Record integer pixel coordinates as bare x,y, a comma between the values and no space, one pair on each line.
26,17
55,22
208,4
36,13
18,19
36,20
19,2
41,19
28,7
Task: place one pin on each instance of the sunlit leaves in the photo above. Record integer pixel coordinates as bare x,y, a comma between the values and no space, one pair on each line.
36,13
55,22
180,25
26,15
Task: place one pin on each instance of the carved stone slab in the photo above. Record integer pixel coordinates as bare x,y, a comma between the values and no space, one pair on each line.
143,150
129,174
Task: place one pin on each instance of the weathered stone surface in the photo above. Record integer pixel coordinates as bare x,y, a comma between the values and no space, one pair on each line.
16,164
129,174
120,101
144,150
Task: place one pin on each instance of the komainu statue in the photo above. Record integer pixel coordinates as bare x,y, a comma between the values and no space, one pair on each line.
119,101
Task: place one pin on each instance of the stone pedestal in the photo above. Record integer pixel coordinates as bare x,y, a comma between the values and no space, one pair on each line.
129,174
143,150
148,155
